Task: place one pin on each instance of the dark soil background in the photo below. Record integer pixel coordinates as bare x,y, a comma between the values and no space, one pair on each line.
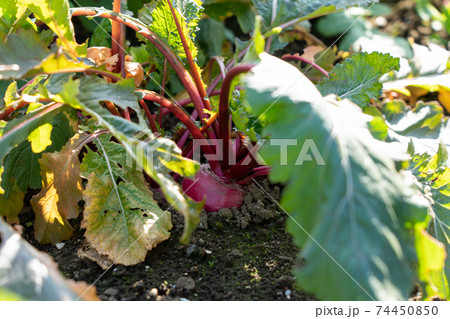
233,255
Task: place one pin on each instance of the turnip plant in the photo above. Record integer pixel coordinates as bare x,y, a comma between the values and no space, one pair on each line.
86,123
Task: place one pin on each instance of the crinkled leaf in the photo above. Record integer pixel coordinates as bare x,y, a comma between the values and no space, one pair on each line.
354,203
12,206
57,202
243,120
358,78
55,14
122,220
158,17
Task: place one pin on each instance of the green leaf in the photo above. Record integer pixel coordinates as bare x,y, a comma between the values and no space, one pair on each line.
243,120
13,15
14,132
101,35
122,220
242,9
211,37
21,165
21,52
55,14
158,17
358,78
350,209
57,202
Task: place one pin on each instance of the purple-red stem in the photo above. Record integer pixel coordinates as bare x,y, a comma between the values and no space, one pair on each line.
149,115
117,39
189,100
192,65
163,85
224,114
186,120
299,58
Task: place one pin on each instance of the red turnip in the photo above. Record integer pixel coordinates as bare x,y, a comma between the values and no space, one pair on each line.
217,192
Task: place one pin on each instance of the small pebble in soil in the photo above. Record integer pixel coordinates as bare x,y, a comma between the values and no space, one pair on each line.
236,253
111,292
208,252
60,245
288,293
193,270
153,292
185,283
190,249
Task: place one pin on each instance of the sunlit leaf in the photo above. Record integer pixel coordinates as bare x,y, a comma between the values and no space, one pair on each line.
358,78
354,210
12,206
122,220
61,191
55,14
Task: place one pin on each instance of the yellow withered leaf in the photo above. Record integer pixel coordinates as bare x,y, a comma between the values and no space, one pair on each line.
61,191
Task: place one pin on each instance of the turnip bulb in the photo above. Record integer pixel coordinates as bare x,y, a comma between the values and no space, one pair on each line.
217,192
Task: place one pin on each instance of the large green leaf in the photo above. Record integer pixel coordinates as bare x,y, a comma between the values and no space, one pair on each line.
157,156
350,208
55,14
358,78
122,220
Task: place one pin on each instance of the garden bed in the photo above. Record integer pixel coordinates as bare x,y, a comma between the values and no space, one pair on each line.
234,254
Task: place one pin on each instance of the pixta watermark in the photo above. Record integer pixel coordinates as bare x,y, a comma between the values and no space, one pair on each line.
152,152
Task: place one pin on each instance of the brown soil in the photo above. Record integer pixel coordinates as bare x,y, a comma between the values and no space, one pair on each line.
233,255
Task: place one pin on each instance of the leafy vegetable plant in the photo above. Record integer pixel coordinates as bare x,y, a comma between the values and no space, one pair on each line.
83,122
